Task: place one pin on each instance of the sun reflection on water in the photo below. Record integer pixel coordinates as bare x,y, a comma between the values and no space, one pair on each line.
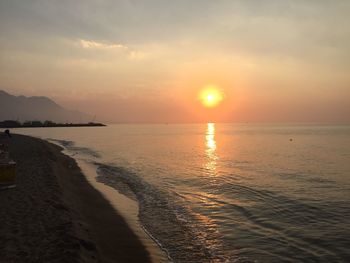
210,151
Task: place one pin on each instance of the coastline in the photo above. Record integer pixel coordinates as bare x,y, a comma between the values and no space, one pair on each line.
128,209
55,215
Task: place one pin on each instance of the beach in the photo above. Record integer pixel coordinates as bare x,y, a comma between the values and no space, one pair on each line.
196,192
54,215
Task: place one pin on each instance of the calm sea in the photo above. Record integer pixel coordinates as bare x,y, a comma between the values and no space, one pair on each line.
225,192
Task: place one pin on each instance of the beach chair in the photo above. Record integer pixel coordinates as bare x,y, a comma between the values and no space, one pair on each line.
7,175
7,166
7,169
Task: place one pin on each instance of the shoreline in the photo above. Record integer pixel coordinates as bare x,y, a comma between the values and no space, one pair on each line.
55,215
127,208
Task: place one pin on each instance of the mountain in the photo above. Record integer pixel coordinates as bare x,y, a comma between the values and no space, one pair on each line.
36,108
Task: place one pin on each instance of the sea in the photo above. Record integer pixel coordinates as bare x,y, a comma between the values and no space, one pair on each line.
218,192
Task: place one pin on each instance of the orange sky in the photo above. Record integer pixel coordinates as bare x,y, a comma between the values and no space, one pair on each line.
127,61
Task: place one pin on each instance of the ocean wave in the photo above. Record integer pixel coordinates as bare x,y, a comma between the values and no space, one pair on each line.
172,225
64,143
70,146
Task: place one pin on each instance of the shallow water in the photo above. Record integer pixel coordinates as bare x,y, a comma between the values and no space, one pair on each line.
228,193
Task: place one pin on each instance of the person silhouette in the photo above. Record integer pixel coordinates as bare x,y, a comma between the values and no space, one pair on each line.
4,143
7,132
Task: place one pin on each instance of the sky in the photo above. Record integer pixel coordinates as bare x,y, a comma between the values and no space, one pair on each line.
147,61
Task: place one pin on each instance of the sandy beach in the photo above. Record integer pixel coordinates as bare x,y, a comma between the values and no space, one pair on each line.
55,215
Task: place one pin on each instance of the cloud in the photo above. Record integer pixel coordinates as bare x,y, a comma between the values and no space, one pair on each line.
94,45
98,45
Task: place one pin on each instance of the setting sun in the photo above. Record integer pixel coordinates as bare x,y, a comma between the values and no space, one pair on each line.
211,96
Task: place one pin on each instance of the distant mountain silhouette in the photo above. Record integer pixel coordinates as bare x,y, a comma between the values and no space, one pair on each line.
36,108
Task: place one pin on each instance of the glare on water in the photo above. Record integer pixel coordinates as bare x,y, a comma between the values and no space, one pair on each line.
210,151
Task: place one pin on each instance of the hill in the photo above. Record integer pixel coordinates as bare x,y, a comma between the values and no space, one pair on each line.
36,108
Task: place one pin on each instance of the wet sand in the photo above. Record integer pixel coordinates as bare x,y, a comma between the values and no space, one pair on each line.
55,215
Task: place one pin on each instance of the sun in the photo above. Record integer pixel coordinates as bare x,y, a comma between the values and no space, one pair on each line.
211,96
